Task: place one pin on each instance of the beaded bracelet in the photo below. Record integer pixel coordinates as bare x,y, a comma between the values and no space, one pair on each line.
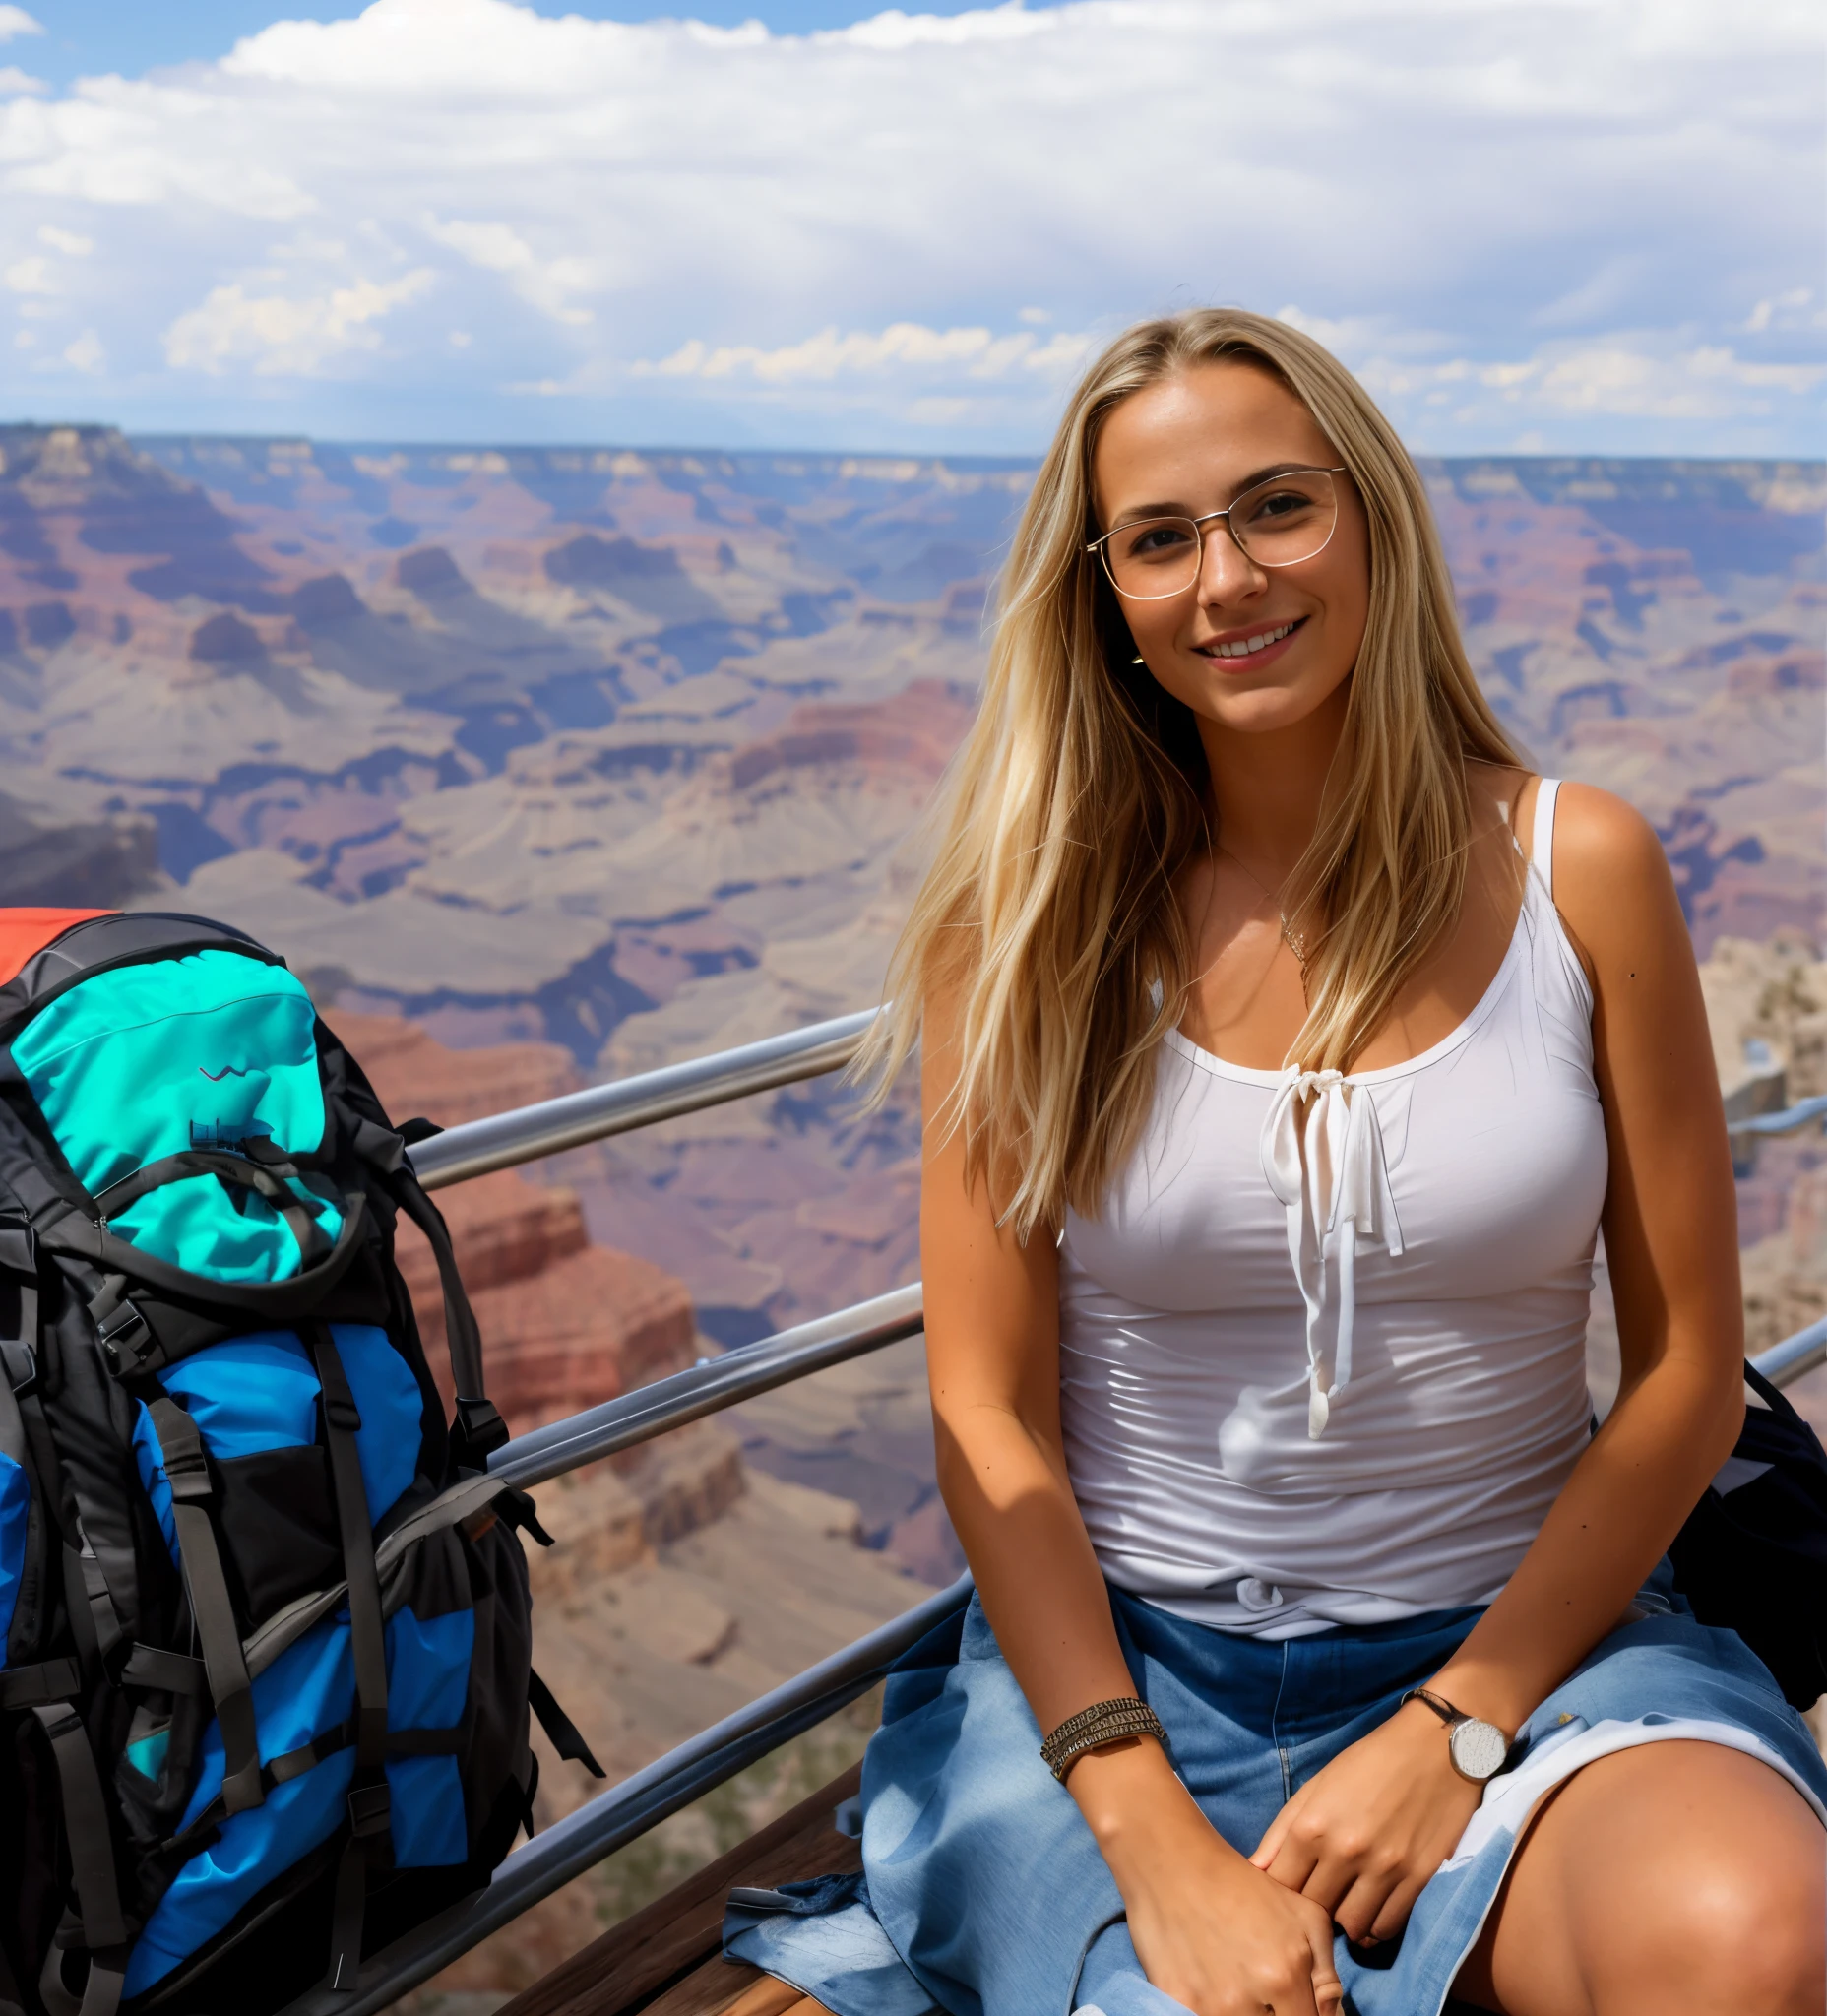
1104,1721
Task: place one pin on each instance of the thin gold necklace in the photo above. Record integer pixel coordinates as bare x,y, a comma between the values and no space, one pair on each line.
1295,941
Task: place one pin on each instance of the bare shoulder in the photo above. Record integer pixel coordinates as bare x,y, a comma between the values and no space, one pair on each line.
1613,883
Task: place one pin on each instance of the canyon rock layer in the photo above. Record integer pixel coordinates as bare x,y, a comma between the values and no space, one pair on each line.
624,753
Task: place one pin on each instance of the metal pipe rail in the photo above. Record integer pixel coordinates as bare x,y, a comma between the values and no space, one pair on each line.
582,1839
707,1387
1785,1363
756,1368
526,1133
1785,1122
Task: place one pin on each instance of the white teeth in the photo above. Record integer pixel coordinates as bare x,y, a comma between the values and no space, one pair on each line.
1245,646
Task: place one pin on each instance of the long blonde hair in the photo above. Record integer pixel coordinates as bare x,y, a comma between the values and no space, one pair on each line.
1049,917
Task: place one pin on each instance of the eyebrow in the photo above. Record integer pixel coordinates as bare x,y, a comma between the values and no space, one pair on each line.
1176,509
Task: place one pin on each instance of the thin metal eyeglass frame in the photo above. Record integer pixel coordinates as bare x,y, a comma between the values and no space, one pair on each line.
1100,545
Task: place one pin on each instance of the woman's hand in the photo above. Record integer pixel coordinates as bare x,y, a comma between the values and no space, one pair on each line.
1210,1931
1362,1837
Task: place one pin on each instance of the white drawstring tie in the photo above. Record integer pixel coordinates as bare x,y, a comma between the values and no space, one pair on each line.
1324,1162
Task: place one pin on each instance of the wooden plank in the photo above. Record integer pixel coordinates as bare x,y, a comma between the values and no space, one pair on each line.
707,1991
665,1946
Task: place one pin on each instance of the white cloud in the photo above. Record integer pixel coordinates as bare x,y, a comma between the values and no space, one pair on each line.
904,345
85,354
1633,376
1795,308
895,31
838,235
15,21
31,275
284,335
17,82
71,243
500,248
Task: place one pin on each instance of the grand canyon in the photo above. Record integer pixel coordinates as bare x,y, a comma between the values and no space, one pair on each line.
544,767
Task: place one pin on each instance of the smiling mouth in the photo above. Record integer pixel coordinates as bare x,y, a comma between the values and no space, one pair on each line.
1245,647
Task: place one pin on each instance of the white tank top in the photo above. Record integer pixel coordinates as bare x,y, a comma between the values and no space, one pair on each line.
1345,1386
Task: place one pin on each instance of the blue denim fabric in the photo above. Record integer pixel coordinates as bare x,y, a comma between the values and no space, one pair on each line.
984,1893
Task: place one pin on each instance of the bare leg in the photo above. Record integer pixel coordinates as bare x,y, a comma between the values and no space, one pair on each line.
771,1997
1674,1879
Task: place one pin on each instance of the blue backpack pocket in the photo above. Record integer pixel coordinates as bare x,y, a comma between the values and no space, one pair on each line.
256,1400
15,1525
305,1703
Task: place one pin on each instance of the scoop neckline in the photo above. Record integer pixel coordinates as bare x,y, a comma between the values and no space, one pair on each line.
1250,1074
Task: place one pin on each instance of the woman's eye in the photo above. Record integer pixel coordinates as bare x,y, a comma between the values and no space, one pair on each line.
1279,505
1150,541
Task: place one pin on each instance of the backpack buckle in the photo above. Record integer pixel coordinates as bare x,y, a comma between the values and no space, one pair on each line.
19,1364
126,1338
479,1429
342,1413
370,1809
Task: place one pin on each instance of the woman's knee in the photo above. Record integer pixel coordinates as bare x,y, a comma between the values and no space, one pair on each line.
1680,1877
1744,1936
1723,1915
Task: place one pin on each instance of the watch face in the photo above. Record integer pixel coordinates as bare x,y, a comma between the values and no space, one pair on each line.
1479,1749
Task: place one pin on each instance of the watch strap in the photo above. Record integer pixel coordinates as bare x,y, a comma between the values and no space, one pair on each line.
1445,1709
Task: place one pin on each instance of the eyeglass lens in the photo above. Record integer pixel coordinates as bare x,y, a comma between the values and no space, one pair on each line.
1281,521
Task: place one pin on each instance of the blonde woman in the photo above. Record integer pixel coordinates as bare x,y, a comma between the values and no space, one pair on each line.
1286,1046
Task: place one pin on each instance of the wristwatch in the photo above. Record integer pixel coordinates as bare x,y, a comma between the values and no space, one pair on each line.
1477,1748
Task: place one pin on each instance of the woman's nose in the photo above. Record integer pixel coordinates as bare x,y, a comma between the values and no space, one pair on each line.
1226,571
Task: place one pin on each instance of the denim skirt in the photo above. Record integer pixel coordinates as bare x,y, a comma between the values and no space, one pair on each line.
984,1893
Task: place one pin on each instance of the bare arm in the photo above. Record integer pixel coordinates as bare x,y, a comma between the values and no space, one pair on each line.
1364,1835
1210,1929
1671,1239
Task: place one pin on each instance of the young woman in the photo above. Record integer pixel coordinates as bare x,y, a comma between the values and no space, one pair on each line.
1286,1046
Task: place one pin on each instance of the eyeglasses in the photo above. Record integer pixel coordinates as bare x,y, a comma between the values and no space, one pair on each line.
1277,523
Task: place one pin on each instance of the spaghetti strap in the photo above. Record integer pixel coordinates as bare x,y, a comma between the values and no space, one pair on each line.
1541,843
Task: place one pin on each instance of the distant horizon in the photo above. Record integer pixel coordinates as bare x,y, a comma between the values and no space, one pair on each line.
486,445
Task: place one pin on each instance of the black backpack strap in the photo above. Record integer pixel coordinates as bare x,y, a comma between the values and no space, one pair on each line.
12,2002
370,1812
234,1172
87,1589
37,1686
25,1437
172,1672
261,1303
92,1865
559,1728
188,1471
479,1427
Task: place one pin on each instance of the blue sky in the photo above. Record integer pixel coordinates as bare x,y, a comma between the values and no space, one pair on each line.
1554,225
91,38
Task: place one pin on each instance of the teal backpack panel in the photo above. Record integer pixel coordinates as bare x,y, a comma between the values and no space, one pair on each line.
139,1062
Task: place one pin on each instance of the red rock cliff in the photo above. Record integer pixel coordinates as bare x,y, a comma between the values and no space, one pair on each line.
565,1323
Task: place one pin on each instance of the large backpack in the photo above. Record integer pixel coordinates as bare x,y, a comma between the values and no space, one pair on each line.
265,1617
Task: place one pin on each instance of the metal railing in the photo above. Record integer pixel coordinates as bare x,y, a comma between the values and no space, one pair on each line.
628,1810
528,1132
1785,1123
707,1387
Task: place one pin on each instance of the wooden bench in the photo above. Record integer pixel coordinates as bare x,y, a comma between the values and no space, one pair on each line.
666,1959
